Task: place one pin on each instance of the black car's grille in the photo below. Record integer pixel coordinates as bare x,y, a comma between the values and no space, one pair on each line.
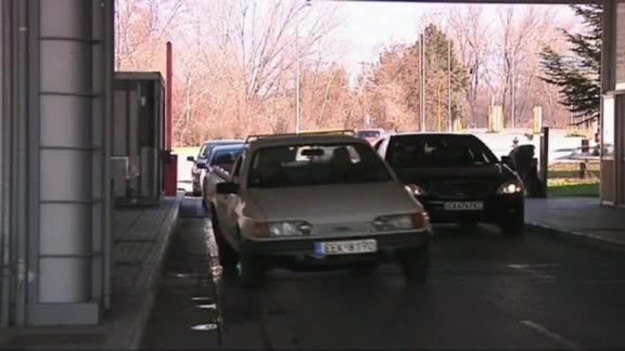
461,189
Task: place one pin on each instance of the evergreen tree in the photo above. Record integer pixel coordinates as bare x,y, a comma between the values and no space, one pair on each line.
578,76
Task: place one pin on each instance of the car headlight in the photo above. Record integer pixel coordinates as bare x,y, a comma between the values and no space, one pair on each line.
281,229
417,220
414,189
510,188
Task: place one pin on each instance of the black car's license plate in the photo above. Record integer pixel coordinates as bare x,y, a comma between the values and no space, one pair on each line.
464,205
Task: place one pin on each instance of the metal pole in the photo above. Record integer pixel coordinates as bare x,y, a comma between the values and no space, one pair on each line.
513,92
297,79
544,158
451,126
168,97
423,84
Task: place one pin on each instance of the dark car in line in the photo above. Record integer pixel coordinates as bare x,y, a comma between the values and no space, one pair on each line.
203,155
457,178
218,168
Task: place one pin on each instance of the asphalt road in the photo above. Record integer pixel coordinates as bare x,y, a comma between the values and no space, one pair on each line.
486,291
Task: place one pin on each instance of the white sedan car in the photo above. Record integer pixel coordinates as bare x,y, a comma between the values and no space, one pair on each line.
320,201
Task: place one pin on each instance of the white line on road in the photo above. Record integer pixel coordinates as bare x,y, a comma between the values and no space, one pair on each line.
554,336
527,268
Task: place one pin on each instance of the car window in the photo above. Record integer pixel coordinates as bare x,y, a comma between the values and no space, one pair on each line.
225,157
368,134
318,164
423,151
236,168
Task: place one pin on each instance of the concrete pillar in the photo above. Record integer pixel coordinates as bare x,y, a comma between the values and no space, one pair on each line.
70,160
57,62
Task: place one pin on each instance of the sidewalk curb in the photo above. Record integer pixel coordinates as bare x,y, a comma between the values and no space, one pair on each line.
578,237
126,334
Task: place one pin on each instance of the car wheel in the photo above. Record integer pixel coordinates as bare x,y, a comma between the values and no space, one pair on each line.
227,256
415,264
251,271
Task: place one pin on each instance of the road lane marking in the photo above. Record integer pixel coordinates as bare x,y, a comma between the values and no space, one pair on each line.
548,333
528,268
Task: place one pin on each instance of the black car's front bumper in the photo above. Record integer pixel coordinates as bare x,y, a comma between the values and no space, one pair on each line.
299,254
496,209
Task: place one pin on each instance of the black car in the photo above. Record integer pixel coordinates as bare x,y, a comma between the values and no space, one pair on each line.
202,156
457,178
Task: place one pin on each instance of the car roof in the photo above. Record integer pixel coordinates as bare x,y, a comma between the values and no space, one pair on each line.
228,146
223,141
303,139
451,134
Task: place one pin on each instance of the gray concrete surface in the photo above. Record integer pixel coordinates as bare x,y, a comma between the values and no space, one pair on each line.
580,219
141,237
486,292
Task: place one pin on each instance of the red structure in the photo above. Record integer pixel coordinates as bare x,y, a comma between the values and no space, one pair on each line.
171,166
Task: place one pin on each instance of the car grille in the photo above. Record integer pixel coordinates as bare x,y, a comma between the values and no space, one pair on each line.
342,228
461,189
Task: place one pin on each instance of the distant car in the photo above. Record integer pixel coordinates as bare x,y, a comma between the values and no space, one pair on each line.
457,178
218,168
320,201
203,155
370,135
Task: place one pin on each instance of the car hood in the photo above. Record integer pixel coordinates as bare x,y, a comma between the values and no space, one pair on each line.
332,203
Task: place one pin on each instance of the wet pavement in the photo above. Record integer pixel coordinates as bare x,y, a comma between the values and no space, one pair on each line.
486,291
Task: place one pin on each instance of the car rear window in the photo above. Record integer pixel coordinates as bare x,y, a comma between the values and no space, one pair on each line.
316,164
368,134
426,151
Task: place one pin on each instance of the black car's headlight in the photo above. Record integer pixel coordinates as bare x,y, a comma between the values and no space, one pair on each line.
510,187
289,228
414,189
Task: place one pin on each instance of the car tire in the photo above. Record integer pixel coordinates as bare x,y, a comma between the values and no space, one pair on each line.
251,271
415,264
513,227
227,256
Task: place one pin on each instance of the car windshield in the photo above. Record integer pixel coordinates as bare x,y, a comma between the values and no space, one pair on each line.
316,164
224,157
208,147
433,151
368,134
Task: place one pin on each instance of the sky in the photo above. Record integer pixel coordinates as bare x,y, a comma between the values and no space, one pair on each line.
367,27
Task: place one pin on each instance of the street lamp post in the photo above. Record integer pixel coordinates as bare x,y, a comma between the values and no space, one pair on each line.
297,79
298,107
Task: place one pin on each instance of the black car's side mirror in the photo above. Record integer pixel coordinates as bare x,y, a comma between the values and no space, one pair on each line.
227,188
201,165
190,159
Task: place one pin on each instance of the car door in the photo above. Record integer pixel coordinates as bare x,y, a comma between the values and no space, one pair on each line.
226,205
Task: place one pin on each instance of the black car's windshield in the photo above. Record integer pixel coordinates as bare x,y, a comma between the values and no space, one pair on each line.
433,151
368,134
318,164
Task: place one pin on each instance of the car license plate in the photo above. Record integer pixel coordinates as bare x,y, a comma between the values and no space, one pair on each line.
346,247
464,206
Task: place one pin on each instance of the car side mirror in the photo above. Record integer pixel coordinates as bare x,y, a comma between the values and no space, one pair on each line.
201,165
227,188
190,158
